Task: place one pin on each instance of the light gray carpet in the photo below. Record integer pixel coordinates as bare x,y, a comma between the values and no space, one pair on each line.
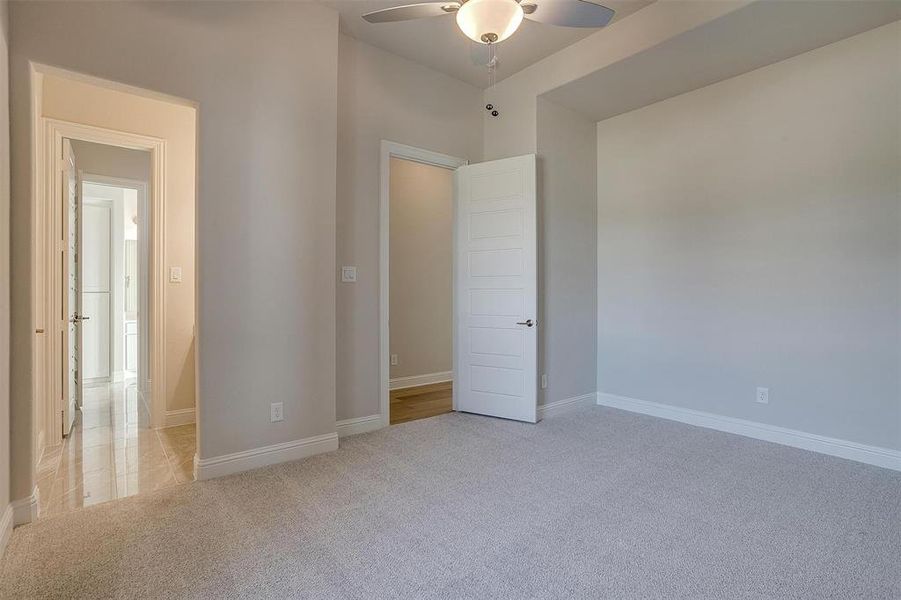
595,503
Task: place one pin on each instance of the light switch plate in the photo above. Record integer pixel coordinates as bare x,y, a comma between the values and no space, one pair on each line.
174,274
349,274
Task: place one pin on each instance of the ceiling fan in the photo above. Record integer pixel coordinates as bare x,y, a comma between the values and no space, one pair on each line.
493,21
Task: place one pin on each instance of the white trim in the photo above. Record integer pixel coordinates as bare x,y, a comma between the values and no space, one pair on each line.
873,455
219,466
25,510
358,425
6,527
182,416
387,151
48,142
400,383
552,409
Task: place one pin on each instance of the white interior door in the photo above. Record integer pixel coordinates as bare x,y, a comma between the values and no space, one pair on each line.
72,328
96,289
495,289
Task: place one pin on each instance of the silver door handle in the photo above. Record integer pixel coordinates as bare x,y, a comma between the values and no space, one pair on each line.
77,318
527,323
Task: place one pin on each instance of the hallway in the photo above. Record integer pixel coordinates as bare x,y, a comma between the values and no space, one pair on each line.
112,453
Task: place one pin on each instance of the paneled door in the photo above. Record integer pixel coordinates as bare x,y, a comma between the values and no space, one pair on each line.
72,300
96,289
495,289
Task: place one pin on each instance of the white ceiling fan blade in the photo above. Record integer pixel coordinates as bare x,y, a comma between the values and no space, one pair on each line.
411,11
569,13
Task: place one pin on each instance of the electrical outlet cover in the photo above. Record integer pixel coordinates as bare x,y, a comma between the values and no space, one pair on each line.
276,412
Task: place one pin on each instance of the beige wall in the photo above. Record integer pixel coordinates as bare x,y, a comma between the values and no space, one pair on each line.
264,77
748,235
383,96
110,161
421,268
4,263
88,104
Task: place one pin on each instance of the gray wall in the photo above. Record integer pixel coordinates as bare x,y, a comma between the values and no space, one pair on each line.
4,260
264,76
421,242
383,96
111,161
567,216
748,235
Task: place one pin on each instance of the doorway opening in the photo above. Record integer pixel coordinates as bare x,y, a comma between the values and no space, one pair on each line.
417,274
114,406
492,295
421,233
109,448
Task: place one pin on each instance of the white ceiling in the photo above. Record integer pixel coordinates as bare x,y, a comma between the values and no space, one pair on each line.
438,43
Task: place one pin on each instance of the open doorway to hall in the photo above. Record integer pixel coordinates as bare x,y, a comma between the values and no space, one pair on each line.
114,309
110,449
421,234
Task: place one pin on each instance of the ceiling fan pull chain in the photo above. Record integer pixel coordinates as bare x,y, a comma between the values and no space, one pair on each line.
492,77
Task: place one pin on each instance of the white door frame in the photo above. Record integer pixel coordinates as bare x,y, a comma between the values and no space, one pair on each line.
391,150
143,379
48,147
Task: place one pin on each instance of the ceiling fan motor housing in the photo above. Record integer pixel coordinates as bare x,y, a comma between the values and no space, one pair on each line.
489,21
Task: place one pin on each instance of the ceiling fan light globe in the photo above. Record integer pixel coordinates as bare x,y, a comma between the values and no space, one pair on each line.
489,21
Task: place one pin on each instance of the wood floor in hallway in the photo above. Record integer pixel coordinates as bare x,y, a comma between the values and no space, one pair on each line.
421,402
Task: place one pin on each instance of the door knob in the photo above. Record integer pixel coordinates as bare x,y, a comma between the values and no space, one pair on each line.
76,318
527,323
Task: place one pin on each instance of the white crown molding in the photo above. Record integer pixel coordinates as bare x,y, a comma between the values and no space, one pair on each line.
25,510
358,425
873,455
6,527
218,466
183,416
557,407
400,383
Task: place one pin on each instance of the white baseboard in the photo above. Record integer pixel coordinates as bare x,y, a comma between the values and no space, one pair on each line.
25,510
359,425
6,527
400,383
218,466
183,416
556,407
873,455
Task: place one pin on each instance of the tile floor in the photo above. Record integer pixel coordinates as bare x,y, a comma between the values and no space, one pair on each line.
112,453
